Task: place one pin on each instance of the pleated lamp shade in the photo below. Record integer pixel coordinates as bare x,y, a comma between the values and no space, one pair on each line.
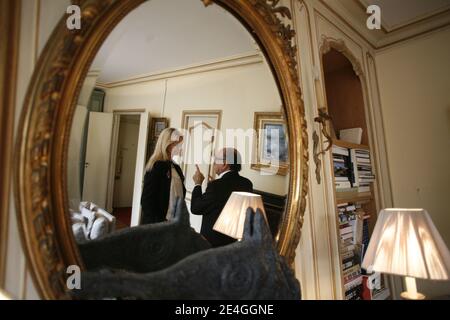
232,218
406,242
4,295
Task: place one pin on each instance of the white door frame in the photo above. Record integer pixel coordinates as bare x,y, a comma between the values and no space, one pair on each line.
140,160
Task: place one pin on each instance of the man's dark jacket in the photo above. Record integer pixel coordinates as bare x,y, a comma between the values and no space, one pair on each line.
211,203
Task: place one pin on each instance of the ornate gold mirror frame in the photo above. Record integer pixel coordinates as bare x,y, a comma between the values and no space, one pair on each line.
42,147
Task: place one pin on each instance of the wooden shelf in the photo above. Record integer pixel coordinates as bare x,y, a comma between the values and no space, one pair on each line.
349,145
345,105
354,197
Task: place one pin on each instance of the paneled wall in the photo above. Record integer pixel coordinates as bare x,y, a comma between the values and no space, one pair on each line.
318,261
414,80
37,22
10,13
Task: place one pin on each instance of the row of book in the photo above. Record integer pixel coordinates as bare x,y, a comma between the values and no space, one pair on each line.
363,175
352,170
352,229
342,169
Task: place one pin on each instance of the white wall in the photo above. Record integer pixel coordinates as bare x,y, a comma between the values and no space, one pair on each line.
414,81
238,91
37,20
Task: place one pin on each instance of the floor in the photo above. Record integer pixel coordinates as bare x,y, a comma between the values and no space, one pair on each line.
123,216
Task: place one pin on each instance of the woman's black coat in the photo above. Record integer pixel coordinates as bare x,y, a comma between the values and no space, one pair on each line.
156,191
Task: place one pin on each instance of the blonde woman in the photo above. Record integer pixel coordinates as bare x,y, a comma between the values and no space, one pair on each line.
164,180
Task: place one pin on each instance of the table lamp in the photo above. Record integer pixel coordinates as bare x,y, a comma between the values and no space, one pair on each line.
405,242
232,218
4,295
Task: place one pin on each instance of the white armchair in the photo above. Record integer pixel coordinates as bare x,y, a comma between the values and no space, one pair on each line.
91,222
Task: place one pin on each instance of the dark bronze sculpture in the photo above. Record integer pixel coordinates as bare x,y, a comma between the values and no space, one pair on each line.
248,269
145,248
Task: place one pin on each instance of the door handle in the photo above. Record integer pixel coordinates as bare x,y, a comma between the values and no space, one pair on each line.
86,165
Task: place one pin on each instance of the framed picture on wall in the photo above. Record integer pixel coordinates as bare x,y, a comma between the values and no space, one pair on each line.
157,125
271,147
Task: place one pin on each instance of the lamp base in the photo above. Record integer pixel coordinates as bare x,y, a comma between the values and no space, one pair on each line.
411,290
407,296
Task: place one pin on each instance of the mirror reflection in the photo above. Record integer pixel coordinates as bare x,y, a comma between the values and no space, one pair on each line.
173,108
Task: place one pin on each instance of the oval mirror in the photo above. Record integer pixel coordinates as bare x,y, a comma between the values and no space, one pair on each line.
151,102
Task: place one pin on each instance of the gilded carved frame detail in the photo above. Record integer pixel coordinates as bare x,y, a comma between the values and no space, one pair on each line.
339,45
42,144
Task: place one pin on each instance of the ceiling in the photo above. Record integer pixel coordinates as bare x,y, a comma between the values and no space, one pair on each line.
400,19
163,35
399,13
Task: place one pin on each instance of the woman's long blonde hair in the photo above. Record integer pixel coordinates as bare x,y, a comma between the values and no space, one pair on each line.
167,137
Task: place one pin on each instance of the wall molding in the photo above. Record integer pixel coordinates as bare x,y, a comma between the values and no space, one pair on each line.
10,12
213,65
94,73
418,19
326,44
348,36
330,34
307,250
322,261
355,13
329,30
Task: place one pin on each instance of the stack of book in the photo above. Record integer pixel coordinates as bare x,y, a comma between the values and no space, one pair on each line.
342,169
351,233
362,169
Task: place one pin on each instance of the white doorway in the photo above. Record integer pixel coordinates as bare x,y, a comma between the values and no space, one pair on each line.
125,168
127,162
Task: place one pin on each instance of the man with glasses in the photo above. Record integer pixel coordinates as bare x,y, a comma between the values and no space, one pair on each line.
227,164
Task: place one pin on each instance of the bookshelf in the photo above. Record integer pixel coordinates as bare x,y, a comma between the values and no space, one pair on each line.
352,174
358,198
349,145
